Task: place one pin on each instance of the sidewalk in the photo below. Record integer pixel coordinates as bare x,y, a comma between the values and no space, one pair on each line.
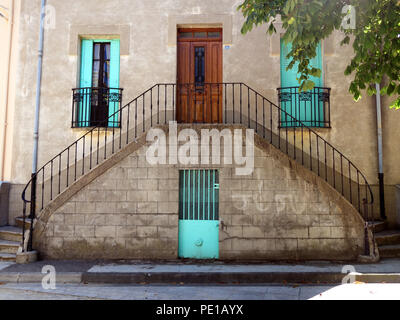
140,272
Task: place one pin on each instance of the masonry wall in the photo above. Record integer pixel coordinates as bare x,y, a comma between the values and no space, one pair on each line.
146,30
280,211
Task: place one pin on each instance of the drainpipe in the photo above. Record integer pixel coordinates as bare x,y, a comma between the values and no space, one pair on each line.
38,89
8,60
380,153
36,130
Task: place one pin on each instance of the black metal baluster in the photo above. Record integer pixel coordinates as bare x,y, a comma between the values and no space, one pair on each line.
219,101
241,104
113,139
91,149
188,108
127,123
326,166
270,119
287,142
68,167
173,103
51,180
105,144
309,136
158,104
211,103
256,98
233,101
264,117
98,144
144,112
42,193
74,94
302,145
83,155
59,174
333,171
358,190
136,119
120,128
351,195
248,105
76,158
341,171
165,105
151,108
294,143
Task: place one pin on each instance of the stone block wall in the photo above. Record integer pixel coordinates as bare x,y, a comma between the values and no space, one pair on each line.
281,211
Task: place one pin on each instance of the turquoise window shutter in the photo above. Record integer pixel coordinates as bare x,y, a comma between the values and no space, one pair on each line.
309,112
114,82
85,82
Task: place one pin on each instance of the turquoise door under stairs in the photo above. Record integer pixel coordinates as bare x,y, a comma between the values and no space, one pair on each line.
198,214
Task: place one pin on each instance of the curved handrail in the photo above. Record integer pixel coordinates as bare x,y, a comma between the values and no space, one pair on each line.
231,99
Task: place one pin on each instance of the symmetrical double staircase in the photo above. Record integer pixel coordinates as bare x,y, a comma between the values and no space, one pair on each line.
236,103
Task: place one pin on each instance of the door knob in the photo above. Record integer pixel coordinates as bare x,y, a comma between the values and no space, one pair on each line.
199,242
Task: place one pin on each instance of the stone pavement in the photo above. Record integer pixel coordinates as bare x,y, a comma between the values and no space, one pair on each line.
173,272
206,292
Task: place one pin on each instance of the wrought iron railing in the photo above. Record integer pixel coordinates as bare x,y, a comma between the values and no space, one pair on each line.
311,107
93,107
233,103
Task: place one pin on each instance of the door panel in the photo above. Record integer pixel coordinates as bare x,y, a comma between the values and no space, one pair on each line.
299,107
198,214
199,97
103,100
183,88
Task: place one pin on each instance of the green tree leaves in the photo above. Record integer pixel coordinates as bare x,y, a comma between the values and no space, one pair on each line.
376,38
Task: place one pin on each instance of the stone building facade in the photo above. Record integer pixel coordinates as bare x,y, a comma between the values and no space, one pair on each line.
130,209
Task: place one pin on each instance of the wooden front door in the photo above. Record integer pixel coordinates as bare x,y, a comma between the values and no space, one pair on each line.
199,76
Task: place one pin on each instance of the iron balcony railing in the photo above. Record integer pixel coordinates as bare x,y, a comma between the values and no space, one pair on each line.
92,107
225,103
311,108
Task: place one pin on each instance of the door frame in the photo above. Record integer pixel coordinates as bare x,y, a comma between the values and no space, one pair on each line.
198,214
206,39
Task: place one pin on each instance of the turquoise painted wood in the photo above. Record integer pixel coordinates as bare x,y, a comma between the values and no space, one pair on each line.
114,80
198,214
198,239
309,112
86,77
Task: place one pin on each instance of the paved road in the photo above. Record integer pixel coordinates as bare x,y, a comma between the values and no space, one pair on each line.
208,292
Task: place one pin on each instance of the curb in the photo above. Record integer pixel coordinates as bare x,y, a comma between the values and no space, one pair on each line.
35,277
174,278
211,278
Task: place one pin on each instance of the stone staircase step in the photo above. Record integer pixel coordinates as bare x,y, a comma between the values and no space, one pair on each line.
388,237
8,246
20,222
7,256
389,251
378,226
10,233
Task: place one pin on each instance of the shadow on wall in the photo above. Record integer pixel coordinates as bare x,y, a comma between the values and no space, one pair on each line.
4,198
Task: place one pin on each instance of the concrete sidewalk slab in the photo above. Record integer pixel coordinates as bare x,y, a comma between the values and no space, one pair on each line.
136,272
